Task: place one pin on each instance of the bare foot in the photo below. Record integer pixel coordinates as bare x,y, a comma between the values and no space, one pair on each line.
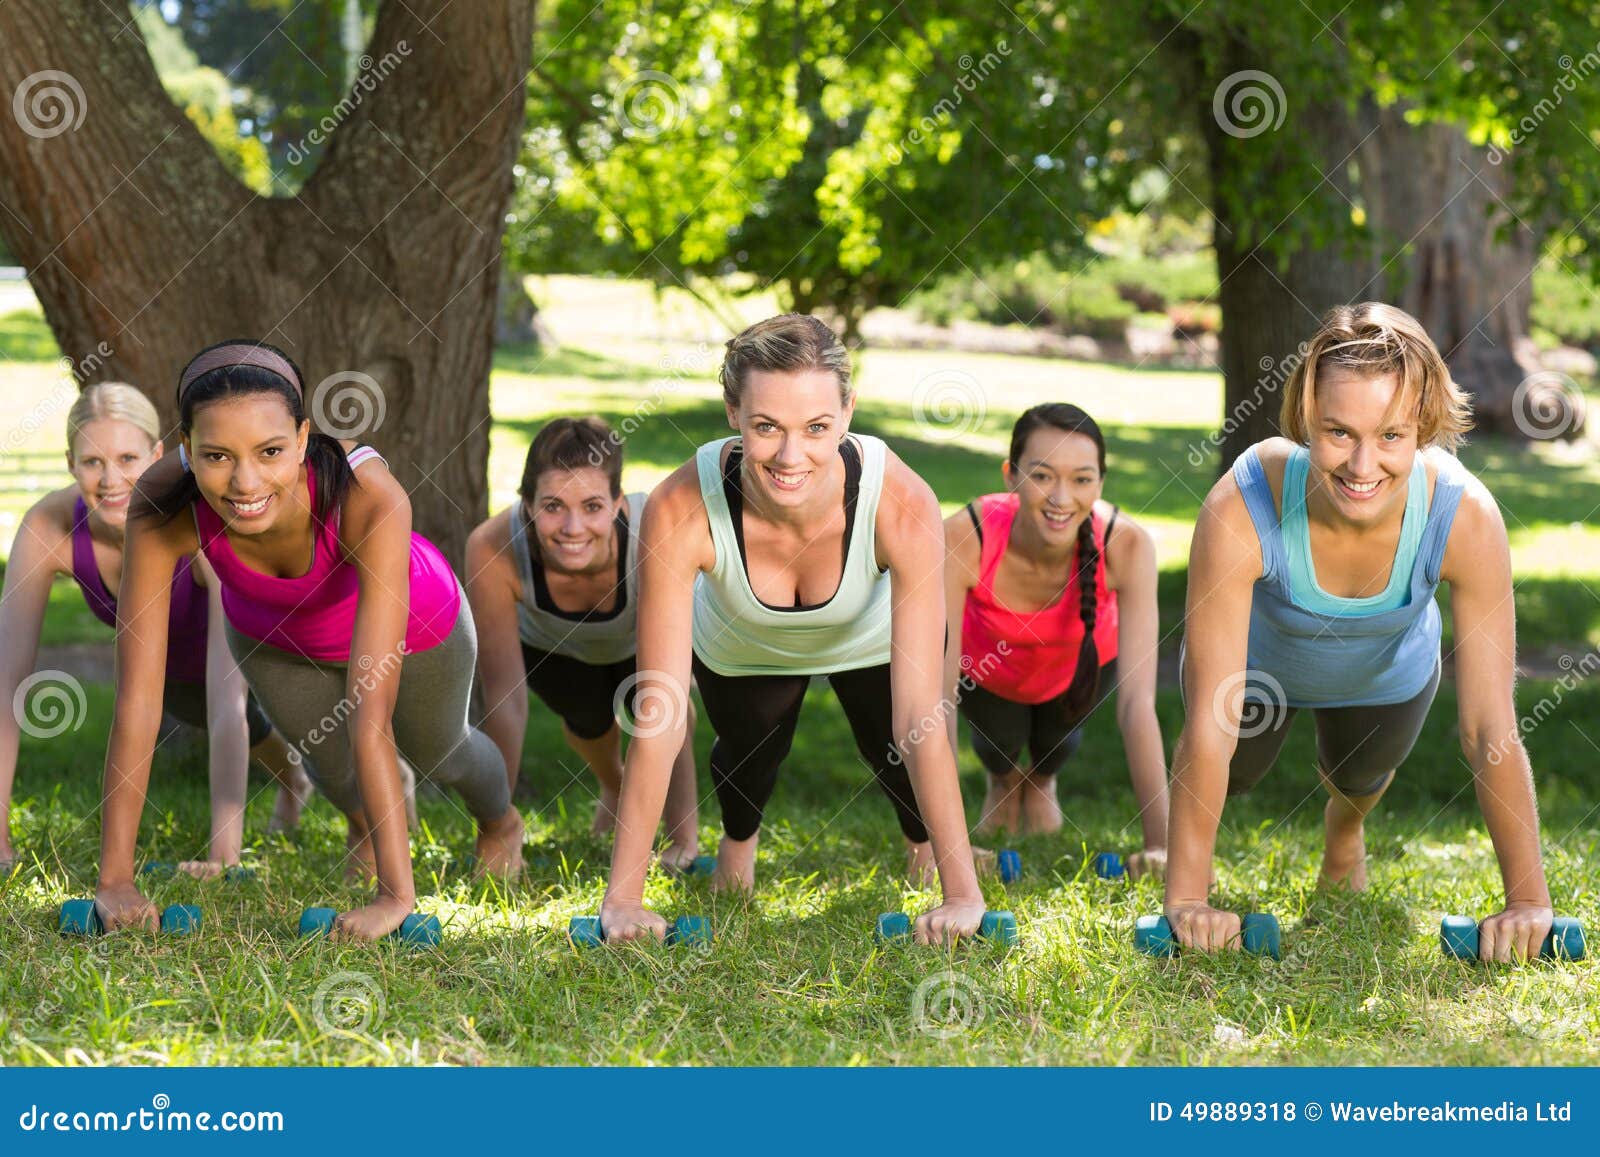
372,922
1041,812
291,801
920,867
736,865
605,813
361,859
500,845
1344,855
203,869
676,857
1002,806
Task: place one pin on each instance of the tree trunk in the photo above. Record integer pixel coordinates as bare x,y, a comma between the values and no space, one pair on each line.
1436,204
381,273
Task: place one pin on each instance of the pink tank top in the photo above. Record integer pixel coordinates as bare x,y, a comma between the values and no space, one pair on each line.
1041,648
315,614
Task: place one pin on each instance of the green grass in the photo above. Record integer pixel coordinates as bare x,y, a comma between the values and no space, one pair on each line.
794,976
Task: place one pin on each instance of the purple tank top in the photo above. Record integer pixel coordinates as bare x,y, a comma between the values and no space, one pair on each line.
186,624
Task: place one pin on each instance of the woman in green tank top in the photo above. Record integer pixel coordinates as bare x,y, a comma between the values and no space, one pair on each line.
794,550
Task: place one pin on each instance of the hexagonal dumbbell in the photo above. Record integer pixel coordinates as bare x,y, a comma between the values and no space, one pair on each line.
1458,937
997,927
80,918
1259,933
585,931
417,930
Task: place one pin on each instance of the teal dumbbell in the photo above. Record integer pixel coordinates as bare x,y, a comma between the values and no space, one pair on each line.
79,918
1108,866
997,927
700,866
585,931
417,930
1458,936
1010,864
1259,933
165,870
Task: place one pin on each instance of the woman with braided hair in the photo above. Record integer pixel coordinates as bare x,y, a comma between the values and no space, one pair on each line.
1050,595
350,628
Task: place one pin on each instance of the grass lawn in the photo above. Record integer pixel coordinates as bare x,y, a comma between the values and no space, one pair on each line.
794,976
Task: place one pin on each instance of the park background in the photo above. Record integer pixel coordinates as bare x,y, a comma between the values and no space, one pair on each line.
464,219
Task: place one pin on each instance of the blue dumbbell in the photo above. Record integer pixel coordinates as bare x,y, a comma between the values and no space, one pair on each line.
1458,936
165,870
701,866
1259,933
998,927
417,930
79,918
1108,866
585,931
1010,864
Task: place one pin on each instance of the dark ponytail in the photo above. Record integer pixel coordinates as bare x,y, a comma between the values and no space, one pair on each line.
1064,416
269,371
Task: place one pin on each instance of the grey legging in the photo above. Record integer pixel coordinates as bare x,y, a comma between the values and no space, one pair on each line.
306,701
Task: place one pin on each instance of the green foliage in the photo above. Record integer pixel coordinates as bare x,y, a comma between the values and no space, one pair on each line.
1566,304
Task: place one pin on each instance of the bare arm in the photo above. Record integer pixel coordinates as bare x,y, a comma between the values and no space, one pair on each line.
42,545
911,542
1477,565
674,546
150,552
375,533
1224,563
1131,561
962,554
227,733
492,589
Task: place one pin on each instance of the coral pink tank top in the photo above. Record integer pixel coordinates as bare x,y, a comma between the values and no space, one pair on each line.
314,615
1041,649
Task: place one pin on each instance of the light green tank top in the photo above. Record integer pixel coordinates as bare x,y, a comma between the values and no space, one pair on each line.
736,634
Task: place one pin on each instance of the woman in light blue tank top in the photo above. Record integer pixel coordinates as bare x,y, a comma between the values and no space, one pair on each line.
796,549
1312,577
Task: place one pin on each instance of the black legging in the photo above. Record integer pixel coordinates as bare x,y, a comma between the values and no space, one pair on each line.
755,716
1051,732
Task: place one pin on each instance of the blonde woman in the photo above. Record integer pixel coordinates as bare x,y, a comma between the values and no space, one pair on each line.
791,550
1311,585
112,436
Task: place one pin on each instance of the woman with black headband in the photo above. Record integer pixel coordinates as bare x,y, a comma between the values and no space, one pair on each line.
351,629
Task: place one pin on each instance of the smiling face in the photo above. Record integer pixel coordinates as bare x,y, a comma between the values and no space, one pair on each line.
246,453
1057,479
574,517
791,422
106,458
1362,446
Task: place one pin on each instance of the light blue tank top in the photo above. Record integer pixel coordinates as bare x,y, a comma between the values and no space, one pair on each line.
1345,652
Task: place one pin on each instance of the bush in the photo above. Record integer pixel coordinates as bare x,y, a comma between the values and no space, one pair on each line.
1566,304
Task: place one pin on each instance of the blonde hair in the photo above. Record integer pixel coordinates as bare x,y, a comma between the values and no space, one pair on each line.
790,341
1369,340
113,401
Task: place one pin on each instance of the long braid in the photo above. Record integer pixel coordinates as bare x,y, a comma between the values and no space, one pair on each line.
1086,679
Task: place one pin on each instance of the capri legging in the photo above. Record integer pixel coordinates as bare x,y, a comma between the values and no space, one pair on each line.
755,717
1357,747
1001,728
583,694
306,700
185,701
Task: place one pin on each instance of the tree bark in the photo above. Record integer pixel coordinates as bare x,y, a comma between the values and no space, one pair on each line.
385,265
1458,260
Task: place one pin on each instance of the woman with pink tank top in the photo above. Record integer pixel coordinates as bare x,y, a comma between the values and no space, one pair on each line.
1050,595
351,629
113,434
